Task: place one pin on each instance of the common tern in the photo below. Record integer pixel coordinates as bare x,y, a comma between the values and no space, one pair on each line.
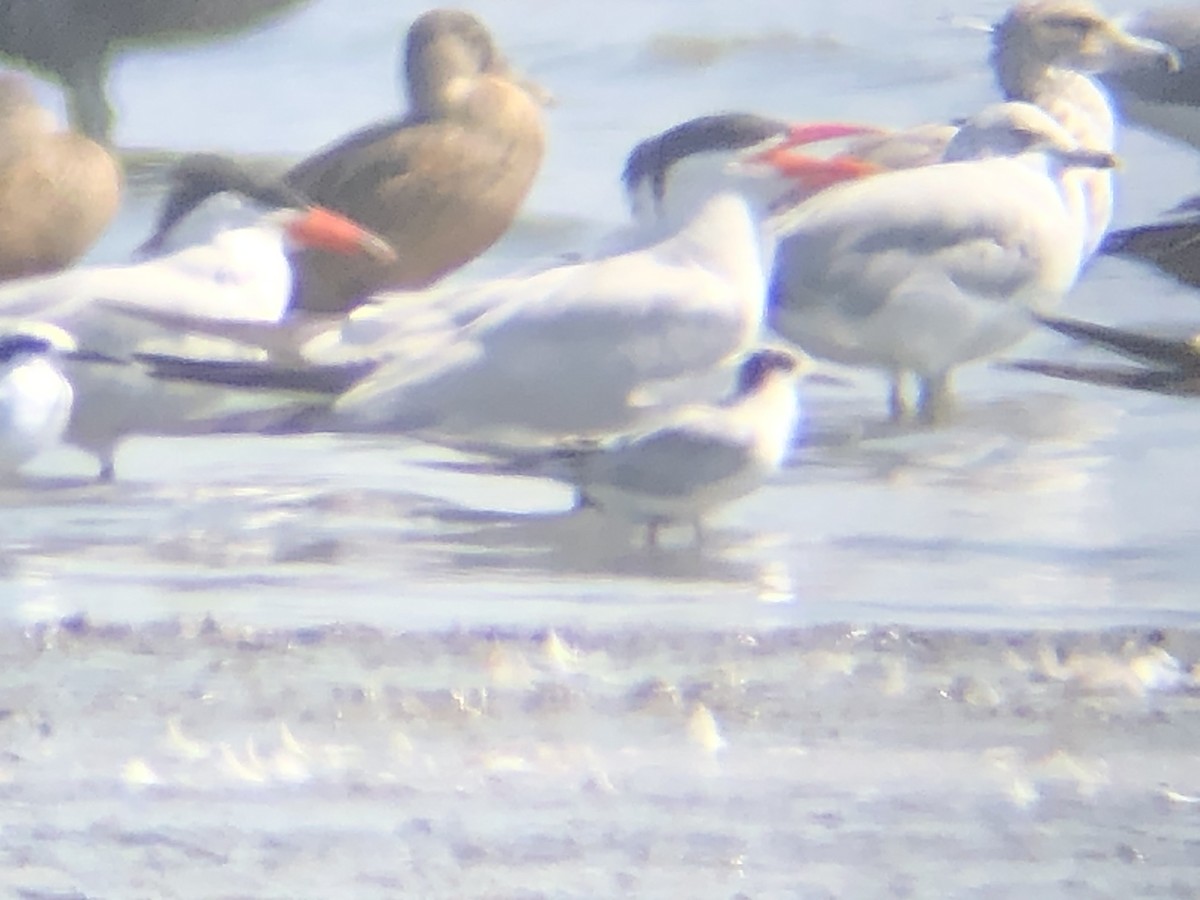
576,351
704,457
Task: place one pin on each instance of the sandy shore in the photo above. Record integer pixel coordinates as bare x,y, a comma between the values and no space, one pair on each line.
187,759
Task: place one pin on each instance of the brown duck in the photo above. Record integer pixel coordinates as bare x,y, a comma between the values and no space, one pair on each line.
58,189
442,183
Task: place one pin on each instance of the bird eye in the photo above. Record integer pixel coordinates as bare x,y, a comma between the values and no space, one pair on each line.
1081,24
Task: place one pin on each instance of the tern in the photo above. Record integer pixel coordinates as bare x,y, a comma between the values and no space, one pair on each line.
241,273
704,457
35,395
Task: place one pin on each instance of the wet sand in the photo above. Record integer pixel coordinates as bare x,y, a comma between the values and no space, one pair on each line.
183,758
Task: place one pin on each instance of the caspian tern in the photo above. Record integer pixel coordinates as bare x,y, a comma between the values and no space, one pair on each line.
241,274
573,351
58,189
921,270
442,183
570,351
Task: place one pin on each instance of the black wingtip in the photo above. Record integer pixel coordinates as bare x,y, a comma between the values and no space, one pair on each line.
331,380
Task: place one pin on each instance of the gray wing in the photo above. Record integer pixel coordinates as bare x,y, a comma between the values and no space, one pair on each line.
852,247
1181,353
672,462
1158,381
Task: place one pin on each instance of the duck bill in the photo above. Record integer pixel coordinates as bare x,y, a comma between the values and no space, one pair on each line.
1127,49
324,229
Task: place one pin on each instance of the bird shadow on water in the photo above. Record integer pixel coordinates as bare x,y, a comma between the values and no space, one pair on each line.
976,439
586,542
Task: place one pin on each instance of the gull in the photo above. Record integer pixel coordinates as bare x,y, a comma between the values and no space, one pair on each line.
441,183
1047,52
921,270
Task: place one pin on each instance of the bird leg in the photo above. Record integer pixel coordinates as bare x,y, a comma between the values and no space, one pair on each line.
935,398
899,409
87,103
652,529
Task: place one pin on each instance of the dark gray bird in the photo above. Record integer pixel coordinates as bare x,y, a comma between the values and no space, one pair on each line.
73,41
1165,363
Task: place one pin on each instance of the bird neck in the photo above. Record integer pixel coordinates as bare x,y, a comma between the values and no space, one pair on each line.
725,232
772,411
1075,100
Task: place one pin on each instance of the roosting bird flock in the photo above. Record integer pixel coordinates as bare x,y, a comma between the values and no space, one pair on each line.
755,243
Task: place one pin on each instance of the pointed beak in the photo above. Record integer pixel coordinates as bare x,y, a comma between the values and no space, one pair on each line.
323,229
813,173
817,132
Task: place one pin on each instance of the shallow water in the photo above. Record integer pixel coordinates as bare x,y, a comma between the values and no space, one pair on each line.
954,663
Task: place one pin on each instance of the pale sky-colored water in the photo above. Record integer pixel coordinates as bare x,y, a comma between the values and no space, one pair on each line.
1046,503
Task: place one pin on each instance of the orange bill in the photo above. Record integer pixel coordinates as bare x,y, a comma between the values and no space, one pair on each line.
326,230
